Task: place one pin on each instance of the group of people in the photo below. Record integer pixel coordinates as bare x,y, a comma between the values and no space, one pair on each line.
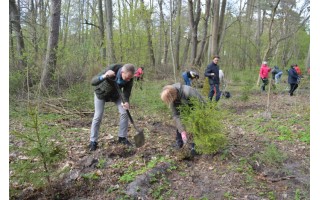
214,74
294,75
173,95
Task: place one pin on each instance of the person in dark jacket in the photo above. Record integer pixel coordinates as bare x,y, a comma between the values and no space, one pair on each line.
212,72
293,79
188,76
175,95
105,91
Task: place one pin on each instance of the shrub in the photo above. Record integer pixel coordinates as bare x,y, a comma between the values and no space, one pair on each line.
204,123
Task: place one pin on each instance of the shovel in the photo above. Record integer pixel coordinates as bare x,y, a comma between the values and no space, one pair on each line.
139,136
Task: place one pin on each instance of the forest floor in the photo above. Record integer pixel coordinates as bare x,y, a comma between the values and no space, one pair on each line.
267,156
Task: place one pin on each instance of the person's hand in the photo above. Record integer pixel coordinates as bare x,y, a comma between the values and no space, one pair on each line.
109,73
125,105
184,137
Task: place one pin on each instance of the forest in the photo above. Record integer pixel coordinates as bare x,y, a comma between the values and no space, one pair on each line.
57,47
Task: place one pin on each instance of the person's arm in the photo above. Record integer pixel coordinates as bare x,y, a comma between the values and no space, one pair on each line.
176,118
208,72
109,72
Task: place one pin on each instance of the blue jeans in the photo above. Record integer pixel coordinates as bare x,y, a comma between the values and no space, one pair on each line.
214,89
186,79
278,77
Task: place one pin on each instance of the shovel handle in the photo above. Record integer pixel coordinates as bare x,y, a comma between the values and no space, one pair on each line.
122,99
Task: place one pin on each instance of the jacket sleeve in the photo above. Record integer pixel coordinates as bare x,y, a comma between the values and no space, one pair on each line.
208,72
176,118
127,90
95,80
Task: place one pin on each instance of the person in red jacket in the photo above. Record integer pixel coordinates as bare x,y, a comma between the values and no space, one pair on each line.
264,74
139,76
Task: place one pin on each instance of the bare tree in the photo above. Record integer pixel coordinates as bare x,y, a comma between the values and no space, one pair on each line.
164,31
15,20
103,52
194,19
205,28
147,21
109,18
52,46
178,35
269,48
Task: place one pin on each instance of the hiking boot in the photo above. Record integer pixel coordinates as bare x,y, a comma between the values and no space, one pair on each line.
93,146
123,140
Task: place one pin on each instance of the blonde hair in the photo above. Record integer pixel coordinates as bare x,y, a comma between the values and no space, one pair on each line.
169,94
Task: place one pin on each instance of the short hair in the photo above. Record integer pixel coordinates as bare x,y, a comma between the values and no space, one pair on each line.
169,94
215,56
129,68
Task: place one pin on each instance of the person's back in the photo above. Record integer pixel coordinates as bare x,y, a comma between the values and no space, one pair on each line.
297,68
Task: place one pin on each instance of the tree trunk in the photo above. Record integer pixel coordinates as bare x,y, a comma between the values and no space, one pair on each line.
186,48
120,32
12,53
15,20
109,18
215,28
52,47
164,31
194,21
178,35
205,29
221,24
66,25
147,21
171,43
103,53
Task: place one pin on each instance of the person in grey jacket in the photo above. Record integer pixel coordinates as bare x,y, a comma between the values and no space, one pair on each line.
105,91
175,95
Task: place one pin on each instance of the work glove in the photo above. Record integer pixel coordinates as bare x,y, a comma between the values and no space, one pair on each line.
184,137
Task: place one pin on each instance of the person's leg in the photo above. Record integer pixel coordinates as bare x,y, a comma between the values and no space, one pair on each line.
123,124
295,86
211,92
96,121
186,79
218,93
179,141
263,85
291,89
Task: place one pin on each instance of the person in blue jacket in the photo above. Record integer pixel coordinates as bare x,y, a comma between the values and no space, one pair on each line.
188,76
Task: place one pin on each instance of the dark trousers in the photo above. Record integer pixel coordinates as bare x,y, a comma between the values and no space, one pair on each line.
214,89
293,87
265,82
179,139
